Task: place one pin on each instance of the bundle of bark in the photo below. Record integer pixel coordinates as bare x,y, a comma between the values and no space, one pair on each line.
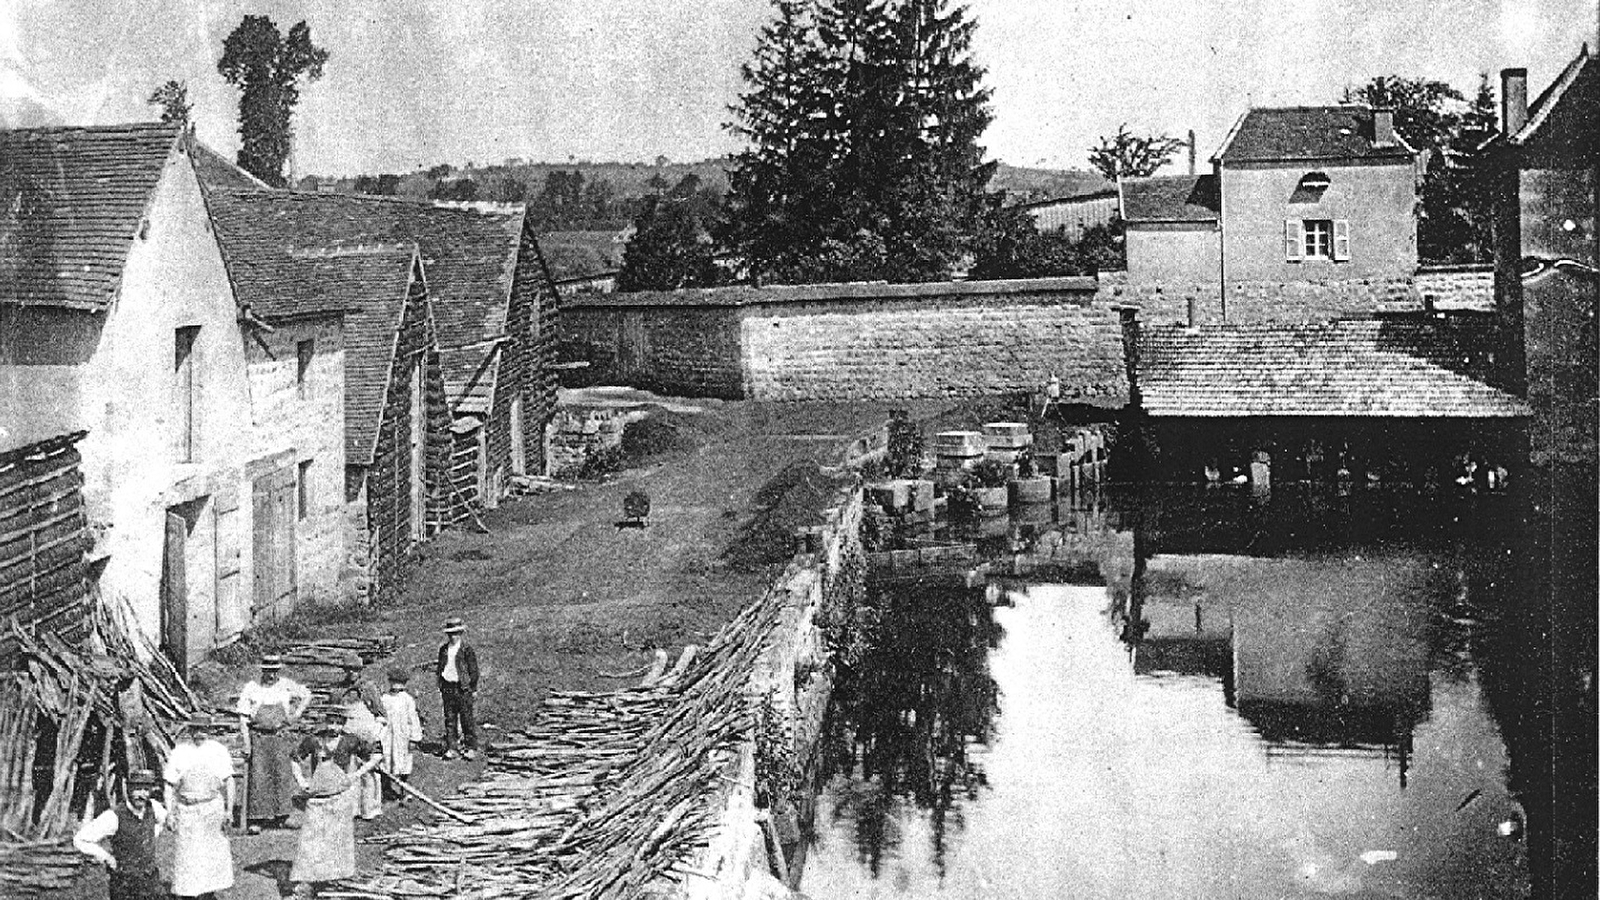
82,703
607,795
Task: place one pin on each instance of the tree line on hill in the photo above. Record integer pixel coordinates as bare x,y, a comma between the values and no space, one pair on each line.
861,121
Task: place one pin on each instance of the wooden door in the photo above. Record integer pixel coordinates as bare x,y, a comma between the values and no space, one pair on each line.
519,450
273,519
174,593
419,425
632,351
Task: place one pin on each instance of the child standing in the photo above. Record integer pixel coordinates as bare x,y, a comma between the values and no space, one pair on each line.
402,726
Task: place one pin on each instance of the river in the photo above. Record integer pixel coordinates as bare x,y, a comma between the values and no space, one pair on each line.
1300,696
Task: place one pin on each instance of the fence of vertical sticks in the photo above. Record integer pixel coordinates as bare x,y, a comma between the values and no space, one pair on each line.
608,795
64,707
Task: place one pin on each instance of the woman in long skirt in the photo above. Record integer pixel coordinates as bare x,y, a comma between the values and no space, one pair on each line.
327,846
199,777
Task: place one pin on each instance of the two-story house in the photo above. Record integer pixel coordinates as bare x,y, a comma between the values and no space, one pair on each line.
1309,213
117,318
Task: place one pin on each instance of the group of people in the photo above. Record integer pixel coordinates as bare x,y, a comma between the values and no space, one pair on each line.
334,773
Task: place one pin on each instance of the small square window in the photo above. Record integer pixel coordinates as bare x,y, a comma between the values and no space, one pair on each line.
1319,238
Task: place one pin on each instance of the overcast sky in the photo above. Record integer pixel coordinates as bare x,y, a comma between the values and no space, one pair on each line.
415,82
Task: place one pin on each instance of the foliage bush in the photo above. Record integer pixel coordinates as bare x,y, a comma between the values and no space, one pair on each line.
991,473
905,445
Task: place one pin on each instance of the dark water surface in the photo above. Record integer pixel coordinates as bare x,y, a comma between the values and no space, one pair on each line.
1300,697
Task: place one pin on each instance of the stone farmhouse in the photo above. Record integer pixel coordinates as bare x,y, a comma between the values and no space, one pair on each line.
395,429
118,319
494,312
1308,213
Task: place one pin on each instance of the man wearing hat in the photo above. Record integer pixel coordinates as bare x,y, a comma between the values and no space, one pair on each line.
131,826
327,766
267,707
457,672
199,777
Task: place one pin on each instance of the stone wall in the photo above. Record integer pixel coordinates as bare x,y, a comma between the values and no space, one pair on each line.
855,341
577,435
793,675
687,350
1260,301
1456,288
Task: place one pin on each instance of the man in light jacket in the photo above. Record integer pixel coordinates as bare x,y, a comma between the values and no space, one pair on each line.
457,671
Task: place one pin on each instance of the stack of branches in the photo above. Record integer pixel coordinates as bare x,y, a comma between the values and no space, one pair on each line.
331,667
607,795
63,709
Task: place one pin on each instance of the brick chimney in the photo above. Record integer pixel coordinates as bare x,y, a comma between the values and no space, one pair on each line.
1191,151
1513,100
1383,127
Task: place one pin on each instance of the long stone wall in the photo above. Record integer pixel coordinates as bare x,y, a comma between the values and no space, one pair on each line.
1164,303
855,341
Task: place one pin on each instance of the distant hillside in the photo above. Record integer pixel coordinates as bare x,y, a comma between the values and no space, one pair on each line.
1024,185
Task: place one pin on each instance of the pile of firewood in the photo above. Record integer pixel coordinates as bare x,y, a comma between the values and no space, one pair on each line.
607,795
330,667
84,696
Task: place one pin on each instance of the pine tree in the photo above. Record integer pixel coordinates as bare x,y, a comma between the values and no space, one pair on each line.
863,118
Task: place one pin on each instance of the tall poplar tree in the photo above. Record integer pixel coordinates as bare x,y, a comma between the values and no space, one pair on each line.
266,66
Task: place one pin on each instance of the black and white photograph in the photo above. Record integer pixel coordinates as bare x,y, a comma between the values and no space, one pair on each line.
799,449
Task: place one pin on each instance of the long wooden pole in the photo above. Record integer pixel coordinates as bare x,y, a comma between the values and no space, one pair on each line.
425,798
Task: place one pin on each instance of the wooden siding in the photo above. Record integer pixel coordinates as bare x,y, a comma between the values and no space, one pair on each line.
1074,214
43,538
389,477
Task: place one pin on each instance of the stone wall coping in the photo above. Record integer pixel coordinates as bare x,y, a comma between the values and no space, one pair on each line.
746,295
1455,268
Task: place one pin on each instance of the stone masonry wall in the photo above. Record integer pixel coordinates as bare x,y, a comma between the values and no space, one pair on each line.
1457,288
934,346
1261,301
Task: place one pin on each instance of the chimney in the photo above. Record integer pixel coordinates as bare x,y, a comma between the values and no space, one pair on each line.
1513,100
1191,151
1383,128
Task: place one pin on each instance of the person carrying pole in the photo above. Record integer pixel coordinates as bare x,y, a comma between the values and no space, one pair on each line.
130,827
267,707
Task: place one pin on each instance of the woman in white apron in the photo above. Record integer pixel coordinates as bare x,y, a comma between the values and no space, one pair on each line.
199,794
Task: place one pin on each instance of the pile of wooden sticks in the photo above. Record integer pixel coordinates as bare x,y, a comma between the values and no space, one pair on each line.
607,795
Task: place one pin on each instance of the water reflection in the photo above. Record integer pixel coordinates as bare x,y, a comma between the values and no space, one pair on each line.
902,722
1271,699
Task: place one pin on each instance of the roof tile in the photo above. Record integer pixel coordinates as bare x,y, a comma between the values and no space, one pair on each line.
1307,132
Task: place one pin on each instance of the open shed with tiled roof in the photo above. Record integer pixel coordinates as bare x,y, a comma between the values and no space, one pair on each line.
1389,368
1171,198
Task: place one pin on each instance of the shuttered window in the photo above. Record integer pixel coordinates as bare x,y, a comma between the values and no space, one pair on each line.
1305,239
1341,239
1294,240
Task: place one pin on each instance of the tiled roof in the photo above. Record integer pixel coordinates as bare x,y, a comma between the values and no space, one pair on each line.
470,254
217,171
70,204
376,280
1307,132
1577,89
1350,367
1171,198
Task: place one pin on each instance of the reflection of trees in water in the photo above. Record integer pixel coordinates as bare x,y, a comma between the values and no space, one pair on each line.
900,723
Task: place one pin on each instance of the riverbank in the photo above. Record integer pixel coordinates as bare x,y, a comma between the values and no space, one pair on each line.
556,597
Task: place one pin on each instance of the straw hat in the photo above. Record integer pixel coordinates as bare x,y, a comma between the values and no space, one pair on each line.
398,675
142,778
453,625
271,661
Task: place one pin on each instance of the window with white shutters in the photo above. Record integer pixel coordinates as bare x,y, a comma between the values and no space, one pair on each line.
1293,240
1341,239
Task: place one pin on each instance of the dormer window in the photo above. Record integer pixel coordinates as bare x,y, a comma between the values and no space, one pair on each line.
1315,181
